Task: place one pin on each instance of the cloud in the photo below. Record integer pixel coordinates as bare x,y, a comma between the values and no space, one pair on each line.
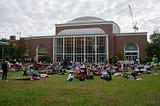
38,17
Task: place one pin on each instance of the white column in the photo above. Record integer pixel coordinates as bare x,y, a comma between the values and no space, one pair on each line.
84,48
73,49
107,47
54,45
95,49
37,53
63,47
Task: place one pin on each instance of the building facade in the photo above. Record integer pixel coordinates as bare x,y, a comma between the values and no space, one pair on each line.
37,47
88,39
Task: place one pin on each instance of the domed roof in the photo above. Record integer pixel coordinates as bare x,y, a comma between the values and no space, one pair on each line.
86,19
90,20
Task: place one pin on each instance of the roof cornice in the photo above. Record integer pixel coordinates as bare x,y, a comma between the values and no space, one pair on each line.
85,23
38,37
129,34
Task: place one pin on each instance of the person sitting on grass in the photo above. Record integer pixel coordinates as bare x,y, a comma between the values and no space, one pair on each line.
133,75
27,72
83,73
82,78
70,77
107,75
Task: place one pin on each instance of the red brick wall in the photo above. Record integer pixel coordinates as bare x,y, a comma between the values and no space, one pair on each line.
106,27
32,45
140,40
116,43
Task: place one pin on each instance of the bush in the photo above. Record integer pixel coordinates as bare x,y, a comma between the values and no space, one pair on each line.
146,59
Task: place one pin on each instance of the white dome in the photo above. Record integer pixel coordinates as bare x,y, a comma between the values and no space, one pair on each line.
90,20
86,19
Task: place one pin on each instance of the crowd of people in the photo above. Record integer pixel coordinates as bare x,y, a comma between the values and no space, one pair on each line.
83,71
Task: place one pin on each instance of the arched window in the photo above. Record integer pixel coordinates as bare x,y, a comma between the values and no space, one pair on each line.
131,51
41,51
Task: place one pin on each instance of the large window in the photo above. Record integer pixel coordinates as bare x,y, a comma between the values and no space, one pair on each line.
101,49
59,45
92,49
79,49
68,48
131,51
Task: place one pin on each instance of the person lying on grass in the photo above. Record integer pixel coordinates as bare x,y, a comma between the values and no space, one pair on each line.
131,76
35,76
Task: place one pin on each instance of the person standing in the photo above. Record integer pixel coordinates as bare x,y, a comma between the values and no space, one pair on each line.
155,64
5,68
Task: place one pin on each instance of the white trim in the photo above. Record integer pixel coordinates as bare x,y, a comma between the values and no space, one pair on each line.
68,36
131,34
38,37
131,51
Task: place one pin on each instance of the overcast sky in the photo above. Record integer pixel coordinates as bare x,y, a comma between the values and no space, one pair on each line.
38,17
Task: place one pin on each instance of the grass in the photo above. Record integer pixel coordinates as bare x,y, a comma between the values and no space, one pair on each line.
56,91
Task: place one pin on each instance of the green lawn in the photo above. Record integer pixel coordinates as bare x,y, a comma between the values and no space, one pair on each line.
56,91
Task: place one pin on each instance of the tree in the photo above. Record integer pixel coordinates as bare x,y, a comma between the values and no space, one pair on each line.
7,49
153,47
20,49
120,55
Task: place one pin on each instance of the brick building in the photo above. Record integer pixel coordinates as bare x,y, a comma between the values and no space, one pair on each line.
90,39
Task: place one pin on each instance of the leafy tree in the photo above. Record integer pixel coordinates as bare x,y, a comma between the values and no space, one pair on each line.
5,49
120,55
20,49
9,50
153,47
14,51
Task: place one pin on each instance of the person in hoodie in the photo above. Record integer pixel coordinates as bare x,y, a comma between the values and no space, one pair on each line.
5,68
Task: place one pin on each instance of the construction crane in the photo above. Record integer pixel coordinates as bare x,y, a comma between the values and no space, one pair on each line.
135,28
